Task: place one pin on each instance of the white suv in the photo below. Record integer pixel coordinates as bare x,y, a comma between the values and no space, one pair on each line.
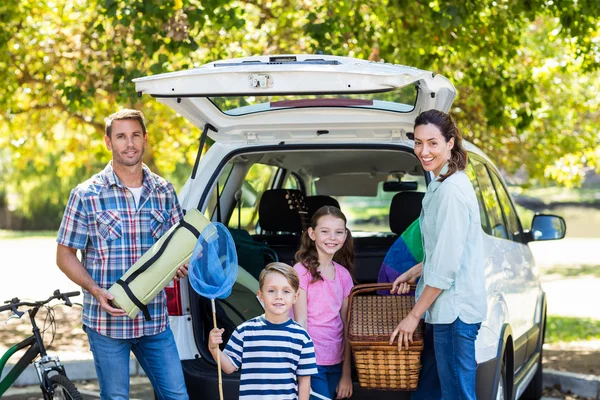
295,132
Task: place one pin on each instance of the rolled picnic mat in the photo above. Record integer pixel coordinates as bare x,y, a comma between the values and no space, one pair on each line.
157,267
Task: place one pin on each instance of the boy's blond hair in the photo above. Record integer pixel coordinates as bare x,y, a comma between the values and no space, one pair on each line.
281,268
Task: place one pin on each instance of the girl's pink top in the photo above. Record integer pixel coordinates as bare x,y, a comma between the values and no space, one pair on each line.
324,300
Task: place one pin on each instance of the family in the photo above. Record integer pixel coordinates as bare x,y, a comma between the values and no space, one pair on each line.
298,348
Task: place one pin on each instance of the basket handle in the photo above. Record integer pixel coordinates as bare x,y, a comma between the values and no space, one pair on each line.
371,287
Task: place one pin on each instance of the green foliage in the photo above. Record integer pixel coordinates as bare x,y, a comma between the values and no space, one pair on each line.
570,329
526,73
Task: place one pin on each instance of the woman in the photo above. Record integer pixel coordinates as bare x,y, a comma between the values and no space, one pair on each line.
451,292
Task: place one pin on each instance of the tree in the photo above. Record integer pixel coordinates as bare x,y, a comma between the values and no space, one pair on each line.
526,74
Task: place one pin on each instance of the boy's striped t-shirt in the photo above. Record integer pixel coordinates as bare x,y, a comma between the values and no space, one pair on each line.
271,356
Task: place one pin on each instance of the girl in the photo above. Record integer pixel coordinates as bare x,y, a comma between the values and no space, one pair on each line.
324,262
451,292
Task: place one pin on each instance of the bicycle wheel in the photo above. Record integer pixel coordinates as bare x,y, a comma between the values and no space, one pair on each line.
64,389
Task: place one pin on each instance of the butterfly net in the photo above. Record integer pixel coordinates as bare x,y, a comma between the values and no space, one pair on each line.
213,267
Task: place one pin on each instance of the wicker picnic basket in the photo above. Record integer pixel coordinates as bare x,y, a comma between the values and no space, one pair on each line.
371,320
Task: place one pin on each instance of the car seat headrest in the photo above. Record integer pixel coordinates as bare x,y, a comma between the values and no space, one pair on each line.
315,202
280,210
405,208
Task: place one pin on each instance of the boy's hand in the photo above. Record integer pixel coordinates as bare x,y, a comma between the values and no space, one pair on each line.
215,338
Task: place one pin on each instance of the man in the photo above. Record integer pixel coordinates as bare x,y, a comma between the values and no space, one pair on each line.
113,218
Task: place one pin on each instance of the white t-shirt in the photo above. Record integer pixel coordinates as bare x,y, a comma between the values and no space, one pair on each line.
137,194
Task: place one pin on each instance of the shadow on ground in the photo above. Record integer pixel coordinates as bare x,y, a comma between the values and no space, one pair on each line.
560,360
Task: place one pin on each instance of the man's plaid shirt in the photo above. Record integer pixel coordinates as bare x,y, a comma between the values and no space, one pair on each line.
102,220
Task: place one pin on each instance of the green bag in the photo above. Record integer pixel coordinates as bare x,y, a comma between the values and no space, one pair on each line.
252,255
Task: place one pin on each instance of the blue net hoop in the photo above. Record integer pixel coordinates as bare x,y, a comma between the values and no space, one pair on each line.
213,267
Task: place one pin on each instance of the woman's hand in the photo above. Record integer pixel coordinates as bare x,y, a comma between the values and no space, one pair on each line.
405,330
402,283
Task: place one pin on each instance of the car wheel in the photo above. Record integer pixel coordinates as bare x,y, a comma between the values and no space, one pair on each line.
535,387
501,393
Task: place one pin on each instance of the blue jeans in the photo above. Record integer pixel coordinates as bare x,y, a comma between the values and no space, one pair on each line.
448,362
323,385
156,354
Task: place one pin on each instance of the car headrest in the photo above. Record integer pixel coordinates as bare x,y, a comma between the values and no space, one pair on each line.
405,208
315,202
280,209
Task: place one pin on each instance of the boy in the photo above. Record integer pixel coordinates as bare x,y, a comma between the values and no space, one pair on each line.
275,353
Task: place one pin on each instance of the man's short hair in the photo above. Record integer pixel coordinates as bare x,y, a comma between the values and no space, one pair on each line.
124,114
280,268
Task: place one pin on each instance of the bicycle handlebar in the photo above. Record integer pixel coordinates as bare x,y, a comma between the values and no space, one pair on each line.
15,303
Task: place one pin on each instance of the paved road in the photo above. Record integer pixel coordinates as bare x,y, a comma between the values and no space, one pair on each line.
570,293
140,389
29,269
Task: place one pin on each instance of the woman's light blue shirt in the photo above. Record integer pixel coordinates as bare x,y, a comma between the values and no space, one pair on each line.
453,246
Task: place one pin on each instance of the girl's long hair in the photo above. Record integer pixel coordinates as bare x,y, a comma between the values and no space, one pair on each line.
308,256
447,126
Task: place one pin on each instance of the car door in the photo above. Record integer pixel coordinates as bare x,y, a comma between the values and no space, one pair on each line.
519,255
509,278
273,99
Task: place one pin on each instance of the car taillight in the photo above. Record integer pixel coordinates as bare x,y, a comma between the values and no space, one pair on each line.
174,298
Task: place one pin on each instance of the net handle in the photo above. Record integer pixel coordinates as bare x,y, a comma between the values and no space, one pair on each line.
371,287
214,311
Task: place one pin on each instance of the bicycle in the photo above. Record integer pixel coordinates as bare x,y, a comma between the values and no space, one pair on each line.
54,382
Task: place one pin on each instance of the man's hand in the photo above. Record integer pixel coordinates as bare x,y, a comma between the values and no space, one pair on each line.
103,296
215,338
181,272
344,387
405,330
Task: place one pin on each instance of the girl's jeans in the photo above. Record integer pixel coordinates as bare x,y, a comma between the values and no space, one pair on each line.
323,385
448,362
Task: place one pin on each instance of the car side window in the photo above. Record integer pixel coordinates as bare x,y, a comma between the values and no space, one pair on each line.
260,177
490,199
291,182
485,222
512,220
213,201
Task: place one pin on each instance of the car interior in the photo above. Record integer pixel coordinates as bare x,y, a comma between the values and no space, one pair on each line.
267,200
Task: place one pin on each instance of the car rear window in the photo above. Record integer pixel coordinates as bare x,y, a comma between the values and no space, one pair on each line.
370,214
401,100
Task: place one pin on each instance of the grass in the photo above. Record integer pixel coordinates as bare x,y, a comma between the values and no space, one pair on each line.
573,271
6,234
560,194
569,329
